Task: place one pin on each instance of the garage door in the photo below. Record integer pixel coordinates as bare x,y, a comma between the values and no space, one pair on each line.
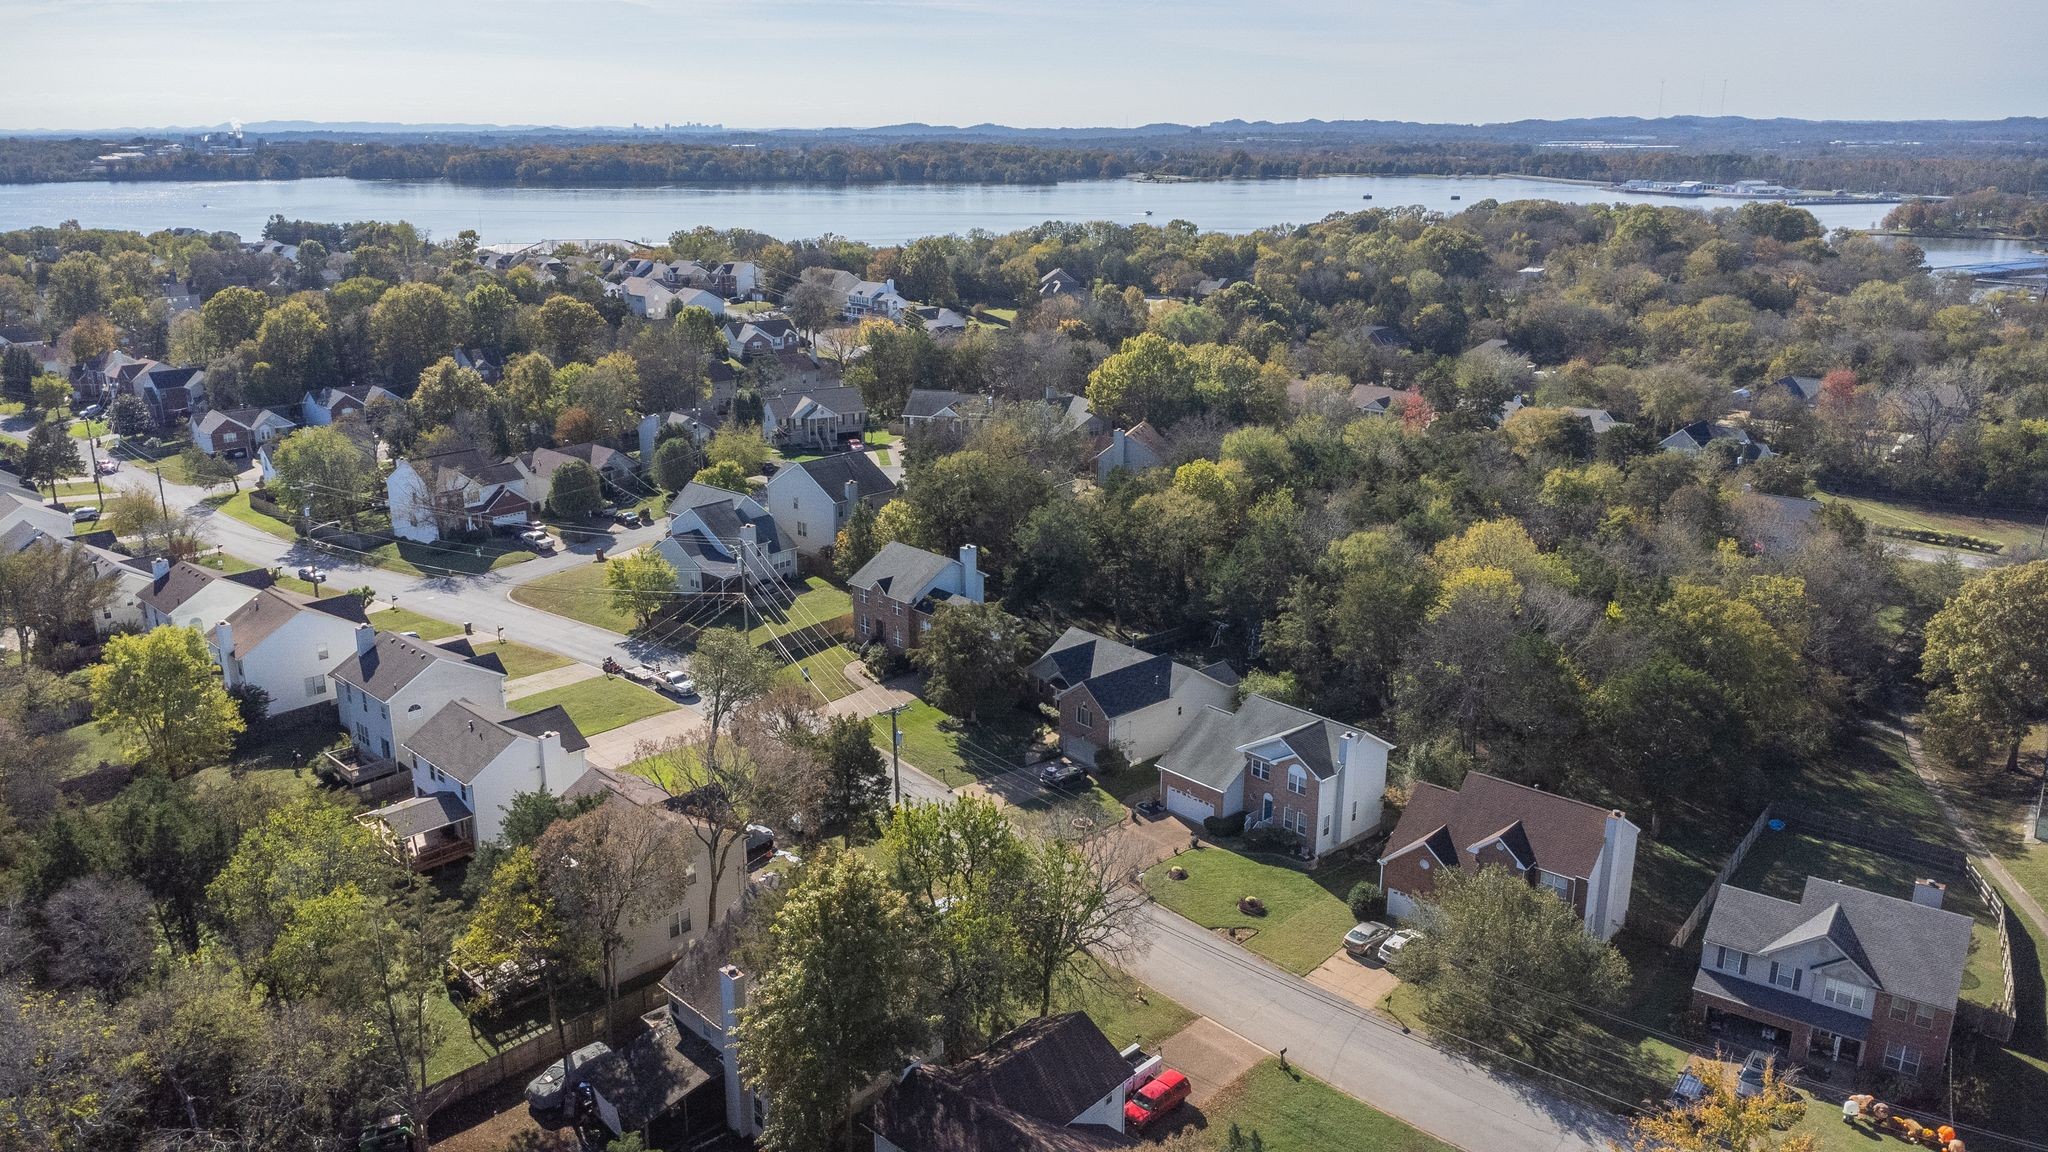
1188,805
1400,905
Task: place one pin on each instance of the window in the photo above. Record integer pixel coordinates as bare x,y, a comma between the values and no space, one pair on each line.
1084,715
1261,770
1354,811
1326,825
924,625
1903,1058
322,652
679,923
1297,781
1843,994
802,529
1785,976
1729,960
899,609
316,685
1923,1015
1561,885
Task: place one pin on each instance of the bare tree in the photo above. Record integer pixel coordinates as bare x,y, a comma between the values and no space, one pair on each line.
1934,404
1078,900
611,870
101,934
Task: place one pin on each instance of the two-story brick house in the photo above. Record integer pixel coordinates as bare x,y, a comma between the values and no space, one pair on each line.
1584,853
896,593
1844,974
1112,694
1282,766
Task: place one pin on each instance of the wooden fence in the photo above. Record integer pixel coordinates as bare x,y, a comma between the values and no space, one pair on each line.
1998,1020
529,1056
1698,915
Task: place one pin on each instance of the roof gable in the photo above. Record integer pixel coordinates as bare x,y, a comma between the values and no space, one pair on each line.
1542,829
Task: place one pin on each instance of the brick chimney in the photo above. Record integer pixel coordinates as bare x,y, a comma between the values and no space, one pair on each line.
1929,892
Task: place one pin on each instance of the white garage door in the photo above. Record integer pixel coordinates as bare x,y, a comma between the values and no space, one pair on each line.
1188,805
1400,905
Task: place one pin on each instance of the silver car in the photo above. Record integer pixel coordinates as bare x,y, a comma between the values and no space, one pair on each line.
1360,941
545,1092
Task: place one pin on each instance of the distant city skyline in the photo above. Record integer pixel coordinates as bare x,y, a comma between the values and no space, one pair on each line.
1093,63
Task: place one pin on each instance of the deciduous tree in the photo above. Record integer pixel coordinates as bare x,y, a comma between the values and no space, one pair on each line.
160,691
641,584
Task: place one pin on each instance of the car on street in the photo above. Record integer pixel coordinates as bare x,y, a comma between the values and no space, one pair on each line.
1391,950
538,540
628,518
1055,773
1755,1069
1360,941
678,684
90,412
313,575
84,515
544,1092
1158,1097
109,466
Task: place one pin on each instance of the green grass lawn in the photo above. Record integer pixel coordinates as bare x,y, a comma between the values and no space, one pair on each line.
827,671
1898,514
818,605
599,704
522,659
237,507
416,559
87,429
577,593
1294,1112
406,620
1305,918
954,750
883,458
1126,1010
95,744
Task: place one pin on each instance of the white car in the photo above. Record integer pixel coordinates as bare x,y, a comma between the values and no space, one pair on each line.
678,683
1392,948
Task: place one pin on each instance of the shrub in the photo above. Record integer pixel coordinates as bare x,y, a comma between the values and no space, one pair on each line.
1231,825
1270,839
1367,901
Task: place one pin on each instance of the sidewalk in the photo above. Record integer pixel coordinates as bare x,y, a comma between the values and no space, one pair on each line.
552,678
620,746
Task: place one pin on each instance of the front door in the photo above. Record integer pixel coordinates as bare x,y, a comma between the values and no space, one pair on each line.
1266,809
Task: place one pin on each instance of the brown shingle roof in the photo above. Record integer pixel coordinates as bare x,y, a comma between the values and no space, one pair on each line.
1563,835
272,608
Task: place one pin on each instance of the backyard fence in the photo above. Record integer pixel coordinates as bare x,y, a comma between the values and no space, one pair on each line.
1998,1020
530,1055
1734,861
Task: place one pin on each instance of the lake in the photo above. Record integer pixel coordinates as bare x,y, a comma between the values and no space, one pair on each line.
876,214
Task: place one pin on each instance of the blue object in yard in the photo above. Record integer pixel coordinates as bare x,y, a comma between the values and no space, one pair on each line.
1776,825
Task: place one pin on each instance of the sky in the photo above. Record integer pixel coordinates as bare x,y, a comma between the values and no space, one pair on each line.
1036,63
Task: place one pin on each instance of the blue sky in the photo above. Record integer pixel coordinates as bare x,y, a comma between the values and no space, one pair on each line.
774,63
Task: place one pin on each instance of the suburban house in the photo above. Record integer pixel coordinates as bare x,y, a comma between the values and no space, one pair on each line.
476,361
1381,336
169,392
1323,781
749,336
94,380
1134,450
1695,437
1583,852
813,417
811,500
1110,693
330,404
737,280
393,683
1598,419
655,300
705,998
483,756
131,574
937,405
614,468
874,298
1075,413
896,592
183,593
288,645
1805,389
1845,974
454,492
712,532
1055,1083
935,320
1059,282
237,432
1376,400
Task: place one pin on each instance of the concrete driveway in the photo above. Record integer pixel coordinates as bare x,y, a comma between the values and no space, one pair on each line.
1361,982
1211,1056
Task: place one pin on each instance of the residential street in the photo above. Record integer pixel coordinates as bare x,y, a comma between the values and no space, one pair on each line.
1358,1053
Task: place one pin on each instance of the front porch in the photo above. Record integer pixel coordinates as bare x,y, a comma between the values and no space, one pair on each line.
426,832
1741,1017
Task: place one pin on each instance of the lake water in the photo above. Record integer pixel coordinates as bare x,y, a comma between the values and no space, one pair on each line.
878,214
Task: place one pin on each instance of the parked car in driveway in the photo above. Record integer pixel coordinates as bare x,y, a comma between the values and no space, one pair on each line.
678,684
1158,1097
537,539
1055,773
544,1092
1750,1081
1360,941
1391,950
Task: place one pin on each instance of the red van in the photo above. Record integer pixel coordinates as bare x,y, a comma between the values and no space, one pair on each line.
1160,1095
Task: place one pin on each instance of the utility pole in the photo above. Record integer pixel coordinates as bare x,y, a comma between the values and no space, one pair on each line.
896,751
92,452
160,497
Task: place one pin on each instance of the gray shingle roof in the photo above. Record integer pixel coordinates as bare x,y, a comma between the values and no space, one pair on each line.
1018,1096
900,572
409,818
832,472
185,579
1078,655
1909,949
839,399
1562,835
464,737
395,661
1207,753
273,608
1779,1002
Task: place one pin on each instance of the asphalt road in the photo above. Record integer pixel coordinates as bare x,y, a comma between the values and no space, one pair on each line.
1358,1053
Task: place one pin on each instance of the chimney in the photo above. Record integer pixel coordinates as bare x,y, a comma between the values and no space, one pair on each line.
970,572
1929,892
750,538
224,642
159,567
732,997
366,639
850,493
890,283
1116,445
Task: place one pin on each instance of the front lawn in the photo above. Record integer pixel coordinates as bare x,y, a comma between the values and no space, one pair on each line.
958,751
577,593
522,659
599,704
414,558
1305,919
1127,1011
237,507
406,620
1294,1112
817,606
826,671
